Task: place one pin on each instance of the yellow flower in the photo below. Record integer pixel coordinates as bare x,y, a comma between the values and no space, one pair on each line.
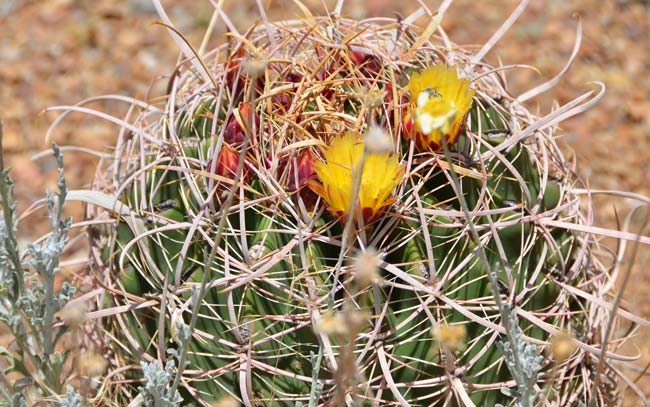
439,102
381,173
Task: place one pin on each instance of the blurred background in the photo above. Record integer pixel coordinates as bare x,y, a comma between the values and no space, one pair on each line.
59,52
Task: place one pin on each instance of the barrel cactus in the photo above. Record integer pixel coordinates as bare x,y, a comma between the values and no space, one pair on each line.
331,211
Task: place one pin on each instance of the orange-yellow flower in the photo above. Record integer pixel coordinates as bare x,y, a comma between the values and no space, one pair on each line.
380,175
439,102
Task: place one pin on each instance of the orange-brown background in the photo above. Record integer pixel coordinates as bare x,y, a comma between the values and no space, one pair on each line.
55,52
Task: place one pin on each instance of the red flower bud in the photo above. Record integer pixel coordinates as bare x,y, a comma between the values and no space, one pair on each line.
234,132
305,169
282,101
297,170
235,74
233,70
293,77
357,57
323,75
227,162
368,65
245,114
226,168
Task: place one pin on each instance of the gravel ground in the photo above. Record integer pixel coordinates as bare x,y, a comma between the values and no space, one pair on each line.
58,52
